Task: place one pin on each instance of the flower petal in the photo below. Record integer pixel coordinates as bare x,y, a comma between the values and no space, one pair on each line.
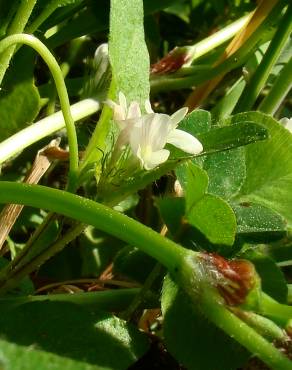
155,159
118,112
134,110
123,102
185,141
148,107
178,116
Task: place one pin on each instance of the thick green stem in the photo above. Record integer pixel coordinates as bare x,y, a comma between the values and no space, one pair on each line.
45,127
241,332
258,80
278,91
17,26
56,72
103,218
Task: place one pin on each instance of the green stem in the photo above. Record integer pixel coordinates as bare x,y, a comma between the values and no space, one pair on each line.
109,300
56,72
9,276
278,312
258,80
45,127
46,12
218,38
74,49
140,297
241,332
267,328
279,90
103,218
17,26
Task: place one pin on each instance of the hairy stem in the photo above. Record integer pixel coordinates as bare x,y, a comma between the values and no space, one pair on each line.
56,72
244,334
103,218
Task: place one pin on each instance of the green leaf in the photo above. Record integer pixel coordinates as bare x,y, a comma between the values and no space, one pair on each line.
272,279
196,122
194,180
172,211
226,171
229,137
258,223
192,339
60,335
127,50
268,167
19,98
213,217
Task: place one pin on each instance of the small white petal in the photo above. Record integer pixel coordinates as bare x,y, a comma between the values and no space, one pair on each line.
118,112
134,110
148,107
185,141
178,116
123,102
155,159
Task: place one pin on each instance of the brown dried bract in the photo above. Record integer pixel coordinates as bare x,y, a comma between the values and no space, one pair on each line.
234,279
173,61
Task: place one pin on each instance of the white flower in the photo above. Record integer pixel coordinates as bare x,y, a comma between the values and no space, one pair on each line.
149,133
122,112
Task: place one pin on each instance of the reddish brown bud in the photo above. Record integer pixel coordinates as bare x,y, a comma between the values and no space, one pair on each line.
234,279
173,61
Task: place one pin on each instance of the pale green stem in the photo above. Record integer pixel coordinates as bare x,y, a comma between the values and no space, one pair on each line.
45,127
210,43
17,26
56,72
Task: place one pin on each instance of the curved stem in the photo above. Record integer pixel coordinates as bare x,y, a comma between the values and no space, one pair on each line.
278,91
103,218
245,335
45,127
17,26
54,68
258,80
